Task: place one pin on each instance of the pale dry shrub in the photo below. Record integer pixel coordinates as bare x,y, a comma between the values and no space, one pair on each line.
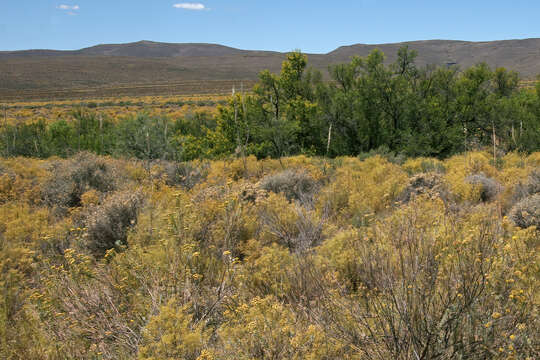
294,226
185,174
294,184
533,184
72,178
424,184
489,188
526,213
530,187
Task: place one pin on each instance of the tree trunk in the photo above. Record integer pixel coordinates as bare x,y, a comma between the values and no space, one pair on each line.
329,139
6,130
100,133
148,143
79,134
494,144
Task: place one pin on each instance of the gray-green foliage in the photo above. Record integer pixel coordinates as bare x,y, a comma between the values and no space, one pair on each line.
531,187
185,174
424,184
489,188
292,183
145,137
107,225
526,213
72,178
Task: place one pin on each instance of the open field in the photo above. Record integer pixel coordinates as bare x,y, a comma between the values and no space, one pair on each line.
73,77
187,88
112,108
528,84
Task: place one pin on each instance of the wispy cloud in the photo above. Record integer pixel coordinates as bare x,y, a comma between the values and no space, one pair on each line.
190,6
68,7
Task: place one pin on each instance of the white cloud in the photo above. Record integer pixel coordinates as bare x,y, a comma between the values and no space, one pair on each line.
68,7
190,6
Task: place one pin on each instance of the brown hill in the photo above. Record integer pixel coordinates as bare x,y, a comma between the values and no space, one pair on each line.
149,49
140,49
519,55
154,68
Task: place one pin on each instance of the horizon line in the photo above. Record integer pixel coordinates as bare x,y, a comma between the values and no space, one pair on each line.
263,50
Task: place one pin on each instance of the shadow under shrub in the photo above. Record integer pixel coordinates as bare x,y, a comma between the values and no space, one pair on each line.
72,178
107,225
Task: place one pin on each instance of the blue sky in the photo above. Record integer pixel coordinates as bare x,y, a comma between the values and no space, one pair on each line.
315,26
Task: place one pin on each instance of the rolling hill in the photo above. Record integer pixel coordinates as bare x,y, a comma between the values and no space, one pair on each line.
148,68
144,49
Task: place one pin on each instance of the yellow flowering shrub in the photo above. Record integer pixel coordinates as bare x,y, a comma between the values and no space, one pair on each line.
262,328
360,188
19,179
225,265
459,167
267,271
422,164
173,334
534,159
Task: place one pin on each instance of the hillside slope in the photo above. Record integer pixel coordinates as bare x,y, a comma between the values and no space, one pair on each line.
519,55
144,49
30,73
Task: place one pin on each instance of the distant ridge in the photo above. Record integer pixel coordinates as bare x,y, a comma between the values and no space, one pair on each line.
148,62
142,49
150,49
519,55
